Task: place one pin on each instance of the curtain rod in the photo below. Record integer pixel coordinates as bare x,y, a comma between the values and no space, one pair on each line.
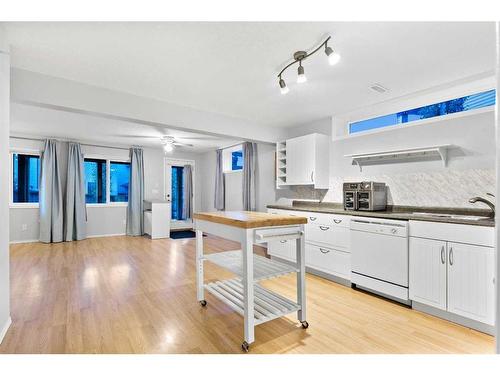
68,140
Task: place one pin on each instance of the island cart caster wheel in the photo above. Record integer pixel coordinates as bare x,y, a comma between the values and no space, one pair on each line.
203,303
245,347
305,325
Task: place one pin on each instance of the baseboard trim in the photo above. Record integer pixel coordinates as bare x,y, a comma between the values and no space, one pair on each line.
23,241
107,235
470,323
5,328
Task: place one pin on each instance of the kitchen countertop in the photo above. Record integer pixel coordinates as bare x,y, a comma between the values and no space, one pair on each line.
248,219
396,212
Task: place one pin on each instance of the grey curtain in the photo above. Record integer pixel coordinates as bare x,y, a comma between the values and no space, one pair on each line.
187,208
75,215
135,208
249,176
219,183
51,201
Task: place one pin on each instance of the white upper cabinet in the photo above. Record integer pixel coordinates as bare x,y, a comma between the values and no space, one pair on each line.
304,161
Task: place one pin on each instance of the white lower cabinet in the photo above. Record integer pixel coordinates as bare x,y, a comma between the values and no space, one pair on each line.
455,277
471,287
331,261
428,272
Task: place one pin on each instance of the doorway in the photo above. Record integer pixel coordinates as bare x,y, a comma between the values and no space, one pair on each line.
174,191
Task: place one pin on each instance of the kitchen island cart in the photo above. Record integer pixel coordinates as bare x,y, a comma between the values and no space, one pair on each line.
244,294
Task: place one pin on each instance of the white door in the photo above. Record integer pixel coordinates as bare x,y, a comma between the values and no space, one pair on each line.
428,272
300,155
471,284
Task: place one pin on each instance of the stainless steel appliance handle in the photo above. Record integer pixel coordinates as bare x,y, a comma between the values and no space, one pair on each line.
451,256
324,251
443,260
323,228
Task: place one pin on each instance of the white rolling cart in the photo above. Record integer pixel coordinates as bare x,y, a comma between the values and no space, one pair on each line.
244,294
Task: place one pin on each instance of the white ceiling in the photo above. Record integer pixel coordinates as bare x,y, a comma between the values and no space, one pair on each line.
231,68
27,120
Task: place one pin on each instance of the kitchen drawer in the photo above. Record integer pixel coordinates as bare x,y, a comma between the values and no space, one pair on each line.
328,260
284,249
329,235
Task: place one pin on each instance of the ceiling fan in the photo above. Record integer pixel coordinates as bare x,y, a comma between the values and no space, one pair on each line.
170,142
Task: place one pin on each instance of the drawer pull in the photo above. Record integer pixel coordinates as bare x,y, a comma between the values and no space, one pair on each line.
337,221
282,241
324,251
323,228
312,218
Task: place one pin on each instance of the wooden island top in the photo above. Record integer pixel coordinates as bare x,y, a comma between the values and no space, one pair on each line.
249,219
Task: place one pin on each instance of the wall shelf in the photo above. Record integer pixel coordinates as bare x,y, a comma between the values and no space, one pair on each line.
402,155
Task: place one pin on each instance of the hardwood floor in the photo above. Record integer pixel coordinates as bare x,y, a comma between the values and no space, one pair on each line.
134,295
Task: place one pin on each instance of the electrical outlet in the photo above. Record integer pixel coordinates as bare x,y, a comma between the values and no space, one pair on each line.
24,227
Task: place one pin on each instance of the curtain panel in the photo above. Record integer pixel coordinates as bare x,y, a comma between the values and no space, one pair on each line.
51,200
249,176
135,208
75,214
219,198
187,208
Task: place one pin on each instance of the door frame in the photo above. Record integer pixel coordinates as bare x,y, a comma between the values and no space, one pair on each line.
179,224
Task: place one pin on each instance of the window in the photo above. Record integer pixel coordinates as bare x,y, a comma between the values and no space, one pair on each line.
119,176
25,178
95,180
463,104
237,160
177,192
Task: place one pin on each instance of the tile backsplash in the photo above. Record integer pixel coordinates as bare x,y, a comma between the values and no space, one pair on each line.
451,188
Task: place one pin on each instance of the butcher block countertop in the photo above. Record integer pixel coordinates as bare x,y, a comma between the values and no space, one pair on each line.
249,219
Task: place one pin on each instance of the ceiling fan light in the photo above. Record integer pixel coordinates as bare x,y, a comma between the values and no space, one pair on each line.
168,147
301,78
283,87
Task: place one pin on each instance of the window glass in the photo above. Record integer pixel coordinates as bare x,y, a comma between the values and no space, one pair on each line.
26,178
177,192
119,176
95,181
237,160
466,103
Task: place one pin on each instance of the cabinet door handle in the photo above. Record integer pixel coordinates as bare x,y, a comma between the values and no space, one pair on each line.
337,221
282,241
324,251
323,228
443,260
312,218
312,176
450,256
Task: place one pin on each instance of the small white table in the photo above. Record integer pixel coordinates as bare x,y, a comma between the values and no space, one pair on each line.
243,293
157,214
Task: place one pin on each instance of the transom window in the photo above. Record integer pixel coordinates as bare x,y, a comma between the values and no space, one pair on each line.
25,178
463,104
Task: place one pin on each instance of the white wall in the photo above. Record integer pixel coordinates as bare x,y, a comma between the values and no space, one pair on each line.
107,219
4,184
265,193
471,167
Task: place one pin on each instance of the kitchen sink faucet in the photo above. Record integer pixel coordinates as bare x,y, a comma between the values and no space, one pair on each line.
485,201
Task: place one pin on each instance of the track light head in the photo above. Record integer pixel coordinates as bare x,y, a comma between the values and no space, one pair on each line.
301,78
283,87
333,57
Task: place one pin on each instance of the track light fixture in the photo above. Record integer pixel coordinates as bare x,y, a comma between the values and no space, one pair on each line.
299,56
